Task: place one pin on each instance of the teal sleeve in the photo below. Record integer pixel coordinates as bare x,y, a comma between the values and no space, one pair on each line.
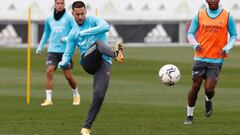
233,35
192,31
45,35
101,27
70,47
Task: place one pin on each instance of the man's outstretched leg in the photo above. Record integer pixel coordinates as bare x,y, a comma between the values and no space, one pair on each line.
116,54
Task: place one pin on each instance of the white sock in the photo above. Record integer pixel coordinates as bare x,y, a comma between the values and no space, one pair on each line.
75,92
49,94
190,110
207,99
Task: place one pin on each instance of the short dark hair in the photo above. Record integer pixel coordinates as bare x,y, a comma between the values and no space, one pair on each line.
78,4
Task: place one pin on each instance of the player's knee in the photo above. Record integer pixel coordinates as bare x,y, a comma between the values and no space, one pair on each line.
50,71
210,93
49,74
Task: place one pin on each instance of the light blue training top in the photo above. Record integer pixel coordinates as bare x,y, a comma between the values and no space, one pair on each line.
84,36
55,31
231,29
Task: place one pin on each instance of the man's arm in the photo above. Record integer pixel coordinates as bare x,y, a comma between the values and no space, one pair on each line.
101,27
191,32
70,48
233,35
44,38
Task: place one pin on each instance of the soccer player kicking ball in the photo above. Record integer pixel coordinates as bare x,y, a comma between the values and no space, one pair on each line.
89,35
208,34
57,27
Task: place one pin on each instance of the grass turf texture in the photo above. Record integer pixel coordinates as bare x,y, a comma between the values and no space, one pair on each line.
136,103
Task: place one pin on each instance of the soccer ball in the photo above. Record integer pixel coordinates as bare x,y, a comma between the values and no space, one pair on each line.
169,74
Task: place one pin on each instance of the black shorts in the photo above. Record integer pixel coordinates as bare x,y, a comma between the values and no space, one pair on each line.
54,58
91,60
206,69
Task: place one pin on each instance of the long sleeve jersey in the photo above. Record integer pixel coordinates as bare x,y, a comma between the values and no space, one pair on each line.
195,27
85,35
55,31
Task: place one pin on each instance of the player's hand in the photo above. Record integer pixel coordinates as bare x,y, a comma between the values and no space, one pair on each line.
223,53
38,51
63,65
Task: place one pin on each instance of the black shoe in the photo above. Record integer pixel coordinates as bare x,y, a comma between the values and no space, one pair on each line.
208,108
188,121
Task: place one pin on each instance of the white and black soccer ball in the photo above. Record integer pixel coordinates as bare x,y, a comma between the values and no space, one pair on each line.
169,74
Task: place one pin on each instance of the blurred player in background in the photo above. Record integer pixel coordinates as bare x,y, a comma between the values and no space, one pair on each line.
57,27
89,35
208,35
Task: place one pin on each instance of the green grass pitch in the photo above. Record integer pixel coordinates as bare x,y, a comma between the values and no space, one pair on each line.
136,102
